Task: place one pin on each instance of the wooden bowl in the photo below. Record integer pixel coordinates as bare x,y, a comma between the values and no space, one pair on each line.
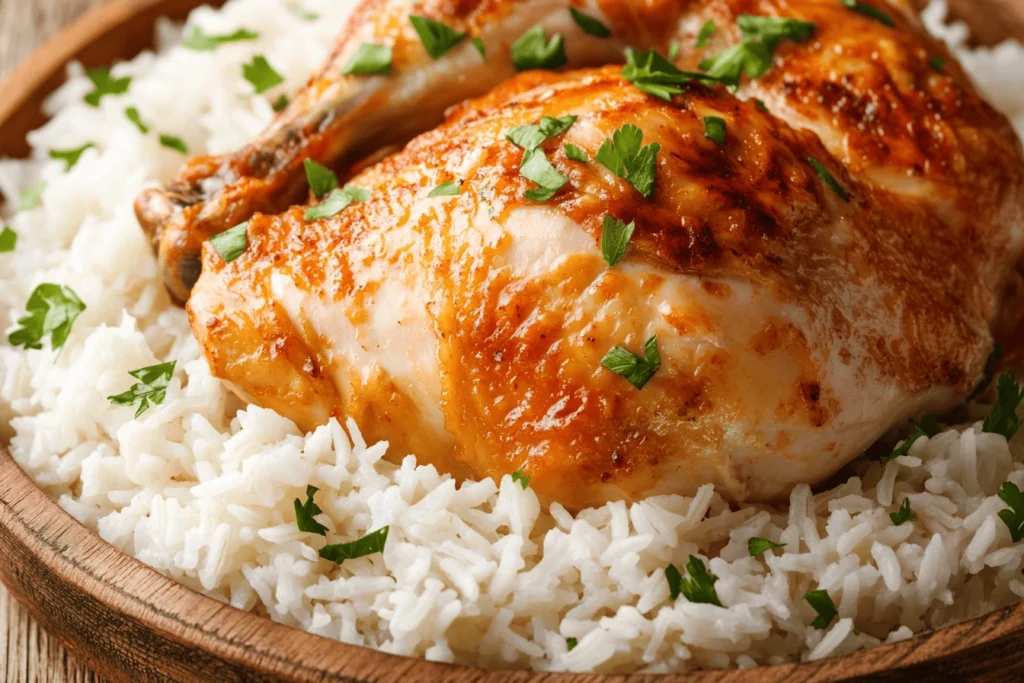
132,624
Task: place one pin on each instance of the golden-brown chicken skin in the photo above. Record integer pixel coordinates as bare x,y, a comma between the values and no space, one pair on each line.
794,327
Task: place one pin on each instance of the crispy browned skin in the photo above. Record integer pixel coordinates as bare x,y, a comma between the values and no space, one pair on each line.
794,328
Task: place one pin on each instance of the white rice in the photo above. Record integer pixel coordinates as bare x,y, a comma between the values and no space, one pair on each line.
201,487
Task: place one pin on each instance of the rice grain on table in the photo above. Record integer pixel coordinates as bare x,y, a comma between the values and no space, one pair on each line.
201,487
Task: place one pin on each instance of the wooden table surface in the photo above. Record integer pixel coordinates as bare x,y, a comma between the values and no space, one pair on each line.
27,654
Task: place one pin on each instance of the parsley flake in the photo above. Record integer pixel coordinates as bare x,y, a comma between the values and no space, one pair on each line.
927,427
534,51
367,545
756,546
638,371
761,106
369,60
172,142
70,157
537,168
8,240
657,76
699,587
151,389
589,24
281,103
938,63
823,605
52,310
32,196
869,11
714,129
437,37
575,153
622,155
615,236
829,179
753,54
904,514
201,41
320,178
303,13
570,643
533,135
1003,419
231,243
337,201
706,31
135,117
261,74
1014,517
103,84
304,513
449,189
523,480
673,50
988,374
478,43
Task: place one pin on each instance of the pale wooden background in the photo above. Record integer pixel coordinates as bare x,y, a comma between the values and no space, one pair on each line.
27,654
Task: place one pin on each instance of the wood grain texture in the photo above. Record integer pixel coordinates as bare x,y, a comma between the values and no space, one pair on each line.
132,624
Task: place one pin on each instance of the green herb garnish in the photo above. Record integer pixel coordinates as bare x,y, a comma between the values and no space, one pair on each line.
537,168
756,546
70,157
320,178
231,243
32,196
1014,517
622,155
869,11
714,129
281,103
823,605
201,41
938,63
535,51
8,240
570,643
336,201
829,179
1002,418
437,38
174,143
753,54
673,50
706,31
367,545
699,587
637,370
103,84
533,135
449,189
904,514
369,59
478,43
761,106
657,76
988,373
151,389
304,513
927,427
52,310
303,13
615,236
523,480
261,74
133,115
575,153
589,24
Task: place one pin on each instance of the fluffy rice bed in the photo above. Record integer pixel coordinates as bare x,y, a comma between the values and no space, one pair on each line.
202,487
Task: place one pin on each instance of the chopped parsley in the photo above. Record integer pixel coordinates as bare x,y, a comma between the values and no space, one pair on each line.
673,50
1002,419
8,240
699,587
304,513
151,389
706,31
570,643
589,24
829,179
615,236
70,157
320,178
437,38
753,54
303,13
757,546
761,106
201,41
574,153
449,189
231,243
534,51
32,196
281,103
823,605
174,143
904,514
927,427
478,43
336,201
869,11
1013,518
261,74
133,115
622,155
714,129
657,76
637,370
369,59
533,135
523,480
537,168
989,372
103,84
938,63
369,544
52,310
